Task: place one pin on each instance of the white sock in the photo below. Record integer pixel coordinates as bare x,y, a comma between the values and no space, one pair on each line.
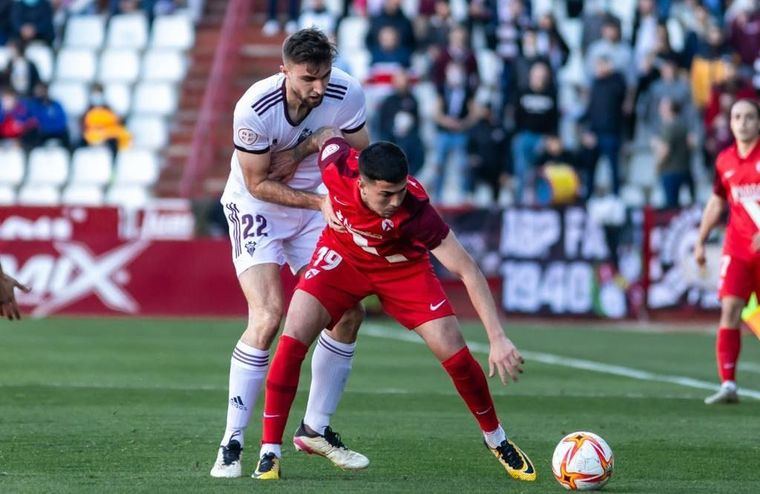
330,367
729,385
495,437
271,448
248,369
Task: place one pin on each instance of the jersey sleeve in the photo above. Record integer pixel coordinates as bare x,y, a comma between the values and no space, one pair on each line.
250,134
427,227
352,114
334,151
719,189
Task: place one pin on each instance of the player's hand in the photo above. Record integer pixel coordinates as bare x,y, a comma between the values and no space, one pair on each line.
504,359
699,253
8,305
282,166
329,214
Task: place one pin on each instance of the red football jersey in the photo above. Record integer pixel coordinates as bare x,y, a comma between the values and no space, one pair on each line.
371,241
737,180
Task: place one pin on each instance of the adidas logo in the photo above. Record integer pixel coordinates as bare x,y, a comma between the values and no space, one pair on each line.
237,402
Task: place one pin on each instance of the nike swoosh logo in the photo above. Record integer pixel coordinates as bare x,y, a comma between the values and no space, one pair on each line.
438,305
484,411
339,201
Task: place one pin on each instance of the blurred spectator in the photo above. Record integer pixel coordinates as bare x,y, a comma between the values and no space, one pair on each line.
529,56
101,126
33,20
456,51
731,88
511,22
488,151
696,21
536,116
391,16
272,25
399,122
645,33
744,34
317,15
456,113
602,123
708,66
436,33
555,153
550,43
612,47
16,123
50,117
595,16
673,153
670,85
20,74
389,52
6,27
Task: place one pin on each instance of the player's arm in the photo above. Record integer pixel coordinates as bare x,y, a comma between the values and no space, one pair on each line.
711,216
503,356
8,305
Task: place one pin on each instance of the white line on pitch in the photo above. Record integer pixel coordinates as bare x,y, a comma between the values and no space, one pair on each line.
559,360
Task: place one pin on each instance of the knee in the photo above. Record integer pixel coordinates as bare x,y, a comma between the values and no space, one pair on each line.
262,327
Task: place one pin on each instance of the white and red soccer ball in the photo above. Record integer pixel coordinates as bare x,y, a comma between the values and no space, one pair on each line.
582,461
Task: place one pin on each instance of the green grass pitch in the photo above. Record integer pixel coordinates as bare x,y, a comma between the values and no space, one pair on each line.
132,405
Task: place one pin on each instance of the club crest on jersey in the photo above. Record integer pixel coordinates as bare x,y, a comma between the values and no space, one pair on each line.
250,247
328,150
387,225
247,135
304,134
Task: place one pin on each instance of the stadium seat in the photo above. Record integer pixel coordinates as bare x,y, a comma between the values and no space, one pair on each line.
48,166
119,65
7,196
42,57
128,196
351,34
82,195
163,65
359,62
128,31
72,95
91,166
85,31
75,64
118,97
136,167
149,132
39,195
173,31
11,173
154,98
5,56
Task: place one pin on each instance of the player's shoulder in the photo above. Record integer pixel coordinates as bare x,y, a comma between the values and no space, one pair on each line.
727,157
416,197
341,83
262,96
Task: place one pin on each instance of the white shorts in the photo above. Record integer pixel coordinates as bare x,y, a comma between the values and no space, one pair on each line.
263,233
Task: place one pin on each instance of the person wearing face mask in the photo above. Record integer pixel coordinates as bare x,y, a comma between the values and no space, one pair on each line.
33,20
21,73
101,126
50,117
16,123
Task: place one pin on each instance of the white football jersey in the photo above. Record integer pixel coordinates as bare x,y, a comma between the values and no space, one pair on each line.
262,124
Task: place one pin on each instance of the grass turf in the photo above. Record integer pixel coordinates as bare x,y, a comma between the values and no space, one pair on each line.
139,406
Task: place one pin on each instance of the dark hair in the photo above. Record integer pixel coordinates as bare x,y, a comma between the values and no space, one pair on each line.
309,46
384,161
752,103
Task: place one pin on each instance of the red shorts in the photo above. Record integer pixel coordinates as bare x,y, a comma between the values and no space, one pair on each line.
410,293
738,277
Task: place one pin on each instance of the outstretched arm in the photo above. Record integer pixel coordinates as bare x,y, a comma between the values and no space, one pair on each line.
503,356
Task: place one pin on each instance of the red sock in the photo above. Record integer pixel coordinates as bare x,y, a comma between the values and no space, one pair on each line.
727,347
471,384
282,384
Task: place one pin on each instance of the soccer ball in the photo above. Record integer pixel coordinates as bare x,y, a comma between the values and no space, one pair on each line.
582,461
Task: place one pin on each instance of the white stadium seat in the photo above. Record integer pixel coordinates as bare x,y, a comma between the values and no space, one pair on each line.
75,64
72,95
91,166
119,65
39,195
136,167
163,65
154,98
351,34
12,168
173,31
42,57
48,165
128,31
85,31
149,132
118,97
7,196
82,195
128,196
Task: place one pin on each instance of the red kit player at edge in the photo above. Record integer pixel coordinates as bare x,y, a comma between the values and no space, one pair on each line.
737,185
388,229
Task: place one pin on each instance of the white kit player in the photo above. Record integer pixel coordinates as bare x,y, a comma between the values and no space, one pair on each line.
274,221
